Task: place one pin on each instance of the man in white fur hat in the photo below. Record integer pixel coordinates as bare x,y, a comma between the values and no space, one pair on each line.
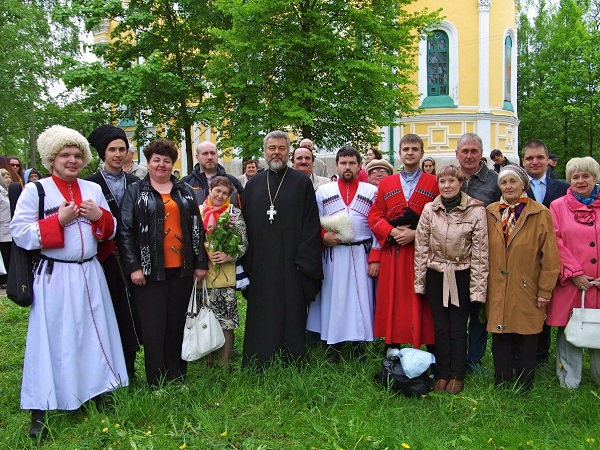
343,310
73,351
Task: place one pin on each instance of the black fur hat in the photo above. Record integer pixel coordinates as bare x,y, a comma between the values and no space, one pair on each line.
104,135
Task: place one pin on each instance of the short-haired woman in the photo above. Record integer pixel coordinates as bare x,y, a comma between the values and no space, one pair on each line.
222,299
577,225
524,266
451,267
162,250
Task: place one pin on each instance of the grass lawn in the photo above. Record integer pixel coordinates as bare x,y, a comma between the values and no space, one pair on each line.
318,406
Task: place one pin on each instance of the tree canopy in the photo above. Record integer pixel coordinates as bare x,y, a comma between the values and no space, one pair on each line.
559,77
333,71
31,50
330,70
152,67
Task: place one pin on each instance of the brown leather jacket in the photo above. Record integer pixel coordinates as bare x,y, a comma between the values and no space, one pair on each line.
450,242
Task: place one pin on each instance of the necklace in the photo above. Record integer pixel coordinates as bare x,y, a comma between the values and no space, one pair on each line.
272,211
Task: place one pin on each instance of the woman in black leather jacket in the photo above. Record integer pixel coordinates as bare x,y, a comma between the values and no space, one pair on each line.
162,251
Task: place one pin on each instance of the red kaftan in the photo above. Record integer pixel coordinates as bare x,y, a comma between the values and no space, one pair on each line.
401,315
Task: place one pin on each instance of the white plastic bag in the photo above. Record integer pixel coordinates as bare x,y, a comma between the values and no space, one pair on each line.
415,362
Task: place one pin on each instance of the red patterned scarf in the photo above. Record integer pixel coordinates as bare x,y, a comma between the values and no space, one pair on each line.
211,214
510,214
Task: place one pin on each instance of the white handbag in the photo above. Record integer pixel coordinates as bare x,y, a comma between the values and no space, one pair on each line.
583,328
202,333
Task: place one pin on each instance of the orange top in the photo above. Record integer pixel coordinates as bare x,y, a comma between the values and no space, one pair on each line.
173,240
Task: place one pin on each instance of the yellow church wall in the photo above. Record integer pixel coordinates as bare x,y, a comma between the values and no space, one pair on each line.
441,128
504,14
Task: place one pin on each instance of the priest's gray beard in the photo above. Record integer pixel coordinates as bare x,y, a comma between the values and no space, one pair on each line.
276,165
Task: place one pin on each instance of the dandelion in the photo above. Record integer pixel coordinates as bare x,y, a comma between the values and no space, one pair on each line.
529,442
490,440
105,430
103,421
117,425
86,419
405,445
474,408
590,440
224,433
182,447
148,433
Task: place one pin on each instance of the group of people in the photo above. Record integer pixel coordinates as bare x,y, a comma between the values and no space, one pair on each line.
442,258
411,258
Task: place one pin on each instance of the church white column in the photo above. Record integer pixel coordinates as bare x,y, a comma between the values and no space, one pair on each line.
484,56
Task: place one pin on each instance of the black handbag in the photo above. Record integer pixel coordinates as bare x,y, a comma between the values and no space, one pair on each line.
392,375
19,286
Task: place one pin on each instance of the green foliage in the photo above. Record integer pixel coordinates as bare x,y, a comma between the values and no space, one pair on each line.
318,405
330,70
31,49
559,78
152,66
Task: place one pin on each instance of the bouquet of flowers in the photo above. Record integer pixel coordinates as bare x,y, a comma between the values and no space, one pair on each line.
224,237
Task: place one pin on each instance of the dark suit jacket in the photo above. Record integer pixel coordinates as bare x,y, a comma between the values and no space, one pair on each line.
554,189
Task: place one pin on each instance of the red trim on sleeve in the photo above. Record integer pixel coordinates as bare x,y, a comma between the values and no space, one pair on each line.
104,227
51,232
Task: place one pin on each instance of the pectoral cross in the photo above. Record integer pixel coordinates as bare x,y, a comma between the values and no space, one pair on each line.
271,212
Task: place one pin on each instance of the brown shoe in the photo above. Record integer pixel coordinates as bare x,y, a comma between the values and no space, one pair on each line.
440,385
455,386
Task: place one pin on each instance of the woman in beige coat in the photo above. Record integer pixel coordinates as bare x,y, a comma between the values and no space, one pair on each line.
451,267
524,266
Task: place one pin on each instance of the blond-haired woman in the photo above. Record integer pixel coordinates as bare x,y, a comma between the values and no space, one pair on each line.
576,222
451,267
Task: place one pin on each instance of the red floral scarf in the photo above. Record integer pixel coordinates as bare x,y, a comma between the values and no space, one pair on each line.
211,214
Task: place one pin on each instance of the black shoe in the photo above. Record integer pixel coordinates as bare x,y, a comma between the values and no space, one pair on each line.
2,286
359,350
104,402
38,428
334,353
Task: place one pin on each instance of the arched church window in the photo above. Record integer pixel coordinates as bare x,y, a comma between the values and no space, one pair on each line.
437,64
508,50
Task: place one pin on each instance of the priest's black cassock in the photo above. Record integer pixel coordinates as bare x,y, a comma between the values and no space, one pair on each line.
283,262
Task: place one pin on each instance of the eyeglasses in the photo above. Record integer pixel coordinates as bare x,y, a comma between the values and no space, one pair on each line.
15,165
378,171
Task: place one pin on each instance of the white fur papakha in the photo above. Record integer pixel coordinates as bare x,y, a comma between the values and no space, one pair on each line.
340,224
57,137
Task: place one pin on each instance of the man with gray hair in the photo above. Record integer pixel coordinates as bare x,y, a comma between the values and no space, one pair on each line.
130,166
283,260
480,183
